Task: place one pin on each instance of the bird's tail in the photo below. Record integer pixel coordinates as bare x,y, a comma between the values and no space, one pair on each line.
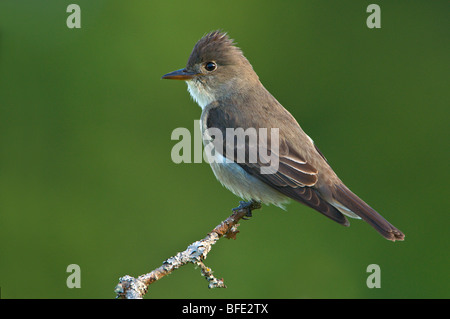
348,199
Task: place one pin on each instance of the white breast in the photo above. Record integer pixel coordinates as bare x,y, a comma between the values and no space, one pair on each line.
246,186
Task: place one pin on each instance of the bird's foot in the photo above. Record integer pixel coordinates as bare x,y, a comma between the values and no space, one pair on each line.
248,206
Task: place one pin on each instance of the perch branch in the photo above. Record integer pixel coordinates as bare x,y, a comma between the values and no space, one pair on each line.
135,288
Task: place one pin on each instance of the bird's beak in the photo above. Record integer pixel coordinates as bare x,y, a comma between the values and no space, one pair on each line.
181,74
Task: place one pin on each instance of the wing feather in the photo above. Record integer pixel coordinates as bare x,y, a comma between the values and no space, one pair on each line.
295,177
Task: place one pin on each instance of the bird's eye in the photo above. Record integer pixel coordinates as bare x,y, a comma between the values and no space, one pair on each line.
210,66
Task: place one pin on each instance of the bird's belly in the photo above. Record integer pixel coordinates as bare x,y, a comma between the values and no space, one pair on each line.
244,185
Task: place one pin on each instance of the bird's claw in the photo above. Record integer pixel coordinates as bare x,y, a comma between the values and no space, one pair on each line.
248,206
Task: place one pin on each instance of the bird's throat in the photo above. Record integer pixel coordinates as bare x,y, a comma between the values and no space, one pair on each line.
199,93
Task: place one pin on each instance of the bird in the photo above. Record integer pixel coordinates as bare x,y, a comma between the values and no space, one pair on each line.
224,84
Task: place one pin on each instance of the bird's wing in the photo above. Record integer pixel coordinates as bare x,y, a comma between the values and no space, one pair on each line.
295,176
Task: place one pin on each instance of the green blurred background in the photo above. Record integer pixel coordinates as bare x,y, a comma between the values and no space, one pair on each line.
86,175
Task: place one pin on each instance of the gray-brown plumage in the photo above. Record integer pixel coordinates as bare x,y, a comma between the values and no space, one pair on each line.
224,84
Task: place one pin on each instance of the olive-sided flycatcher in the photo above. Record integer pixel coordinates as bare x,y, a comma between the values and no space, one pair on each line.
222,81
